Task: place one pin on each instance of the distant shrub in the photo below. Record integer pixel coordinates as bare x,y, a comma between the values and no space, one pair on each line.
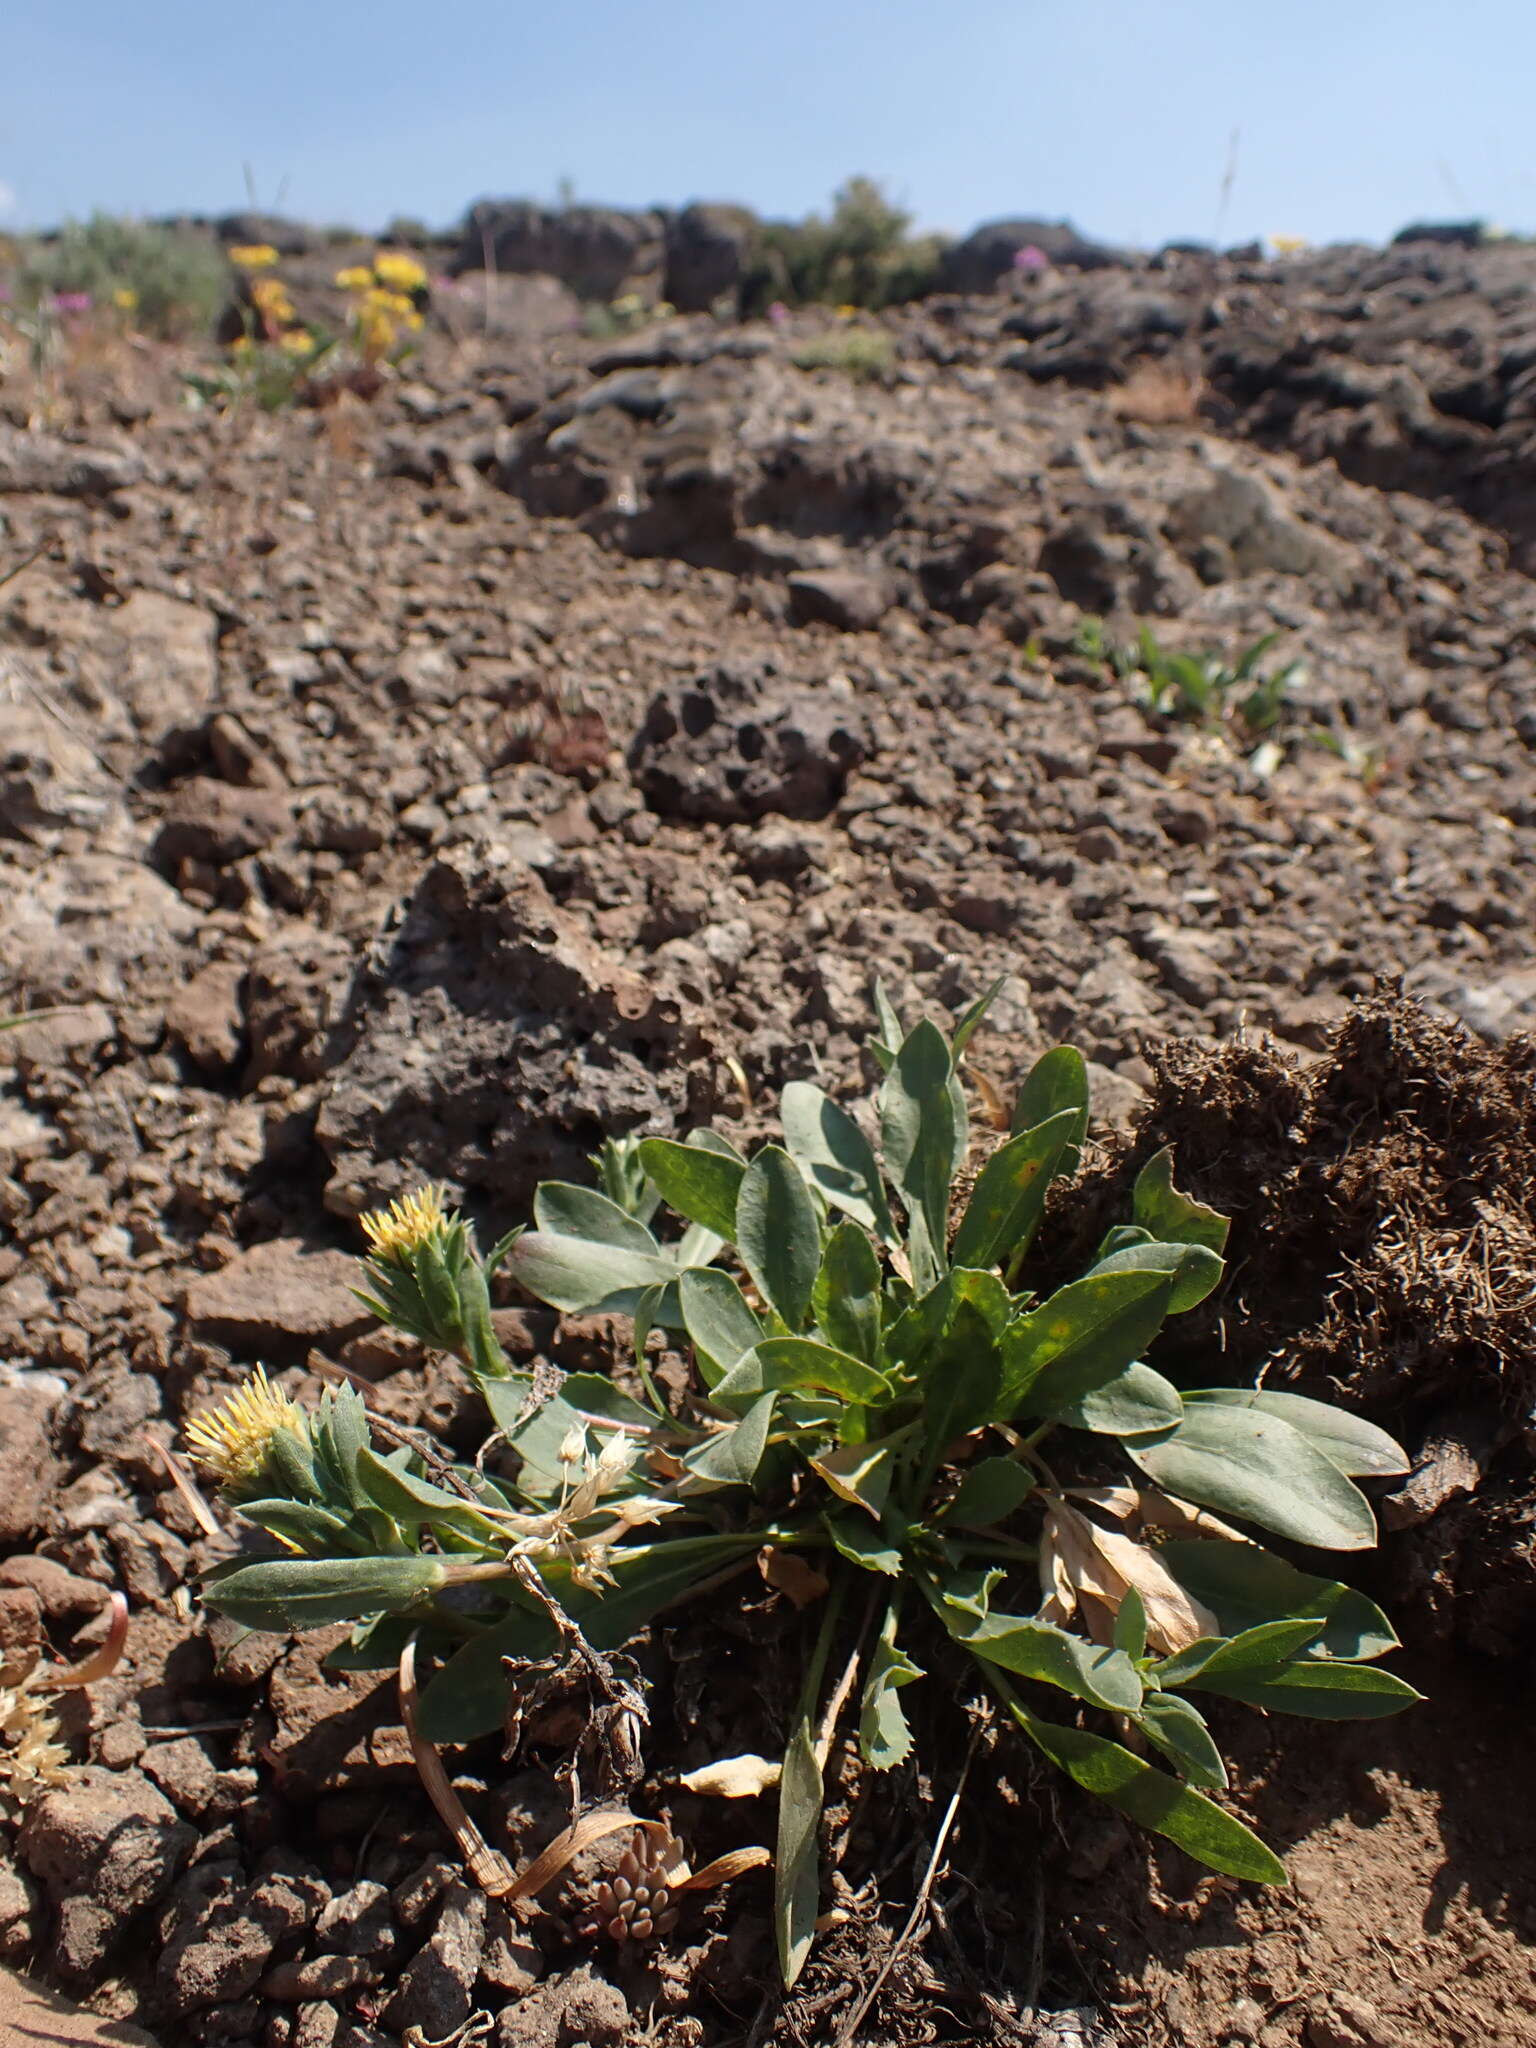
175,282
406,232
862,255
864,353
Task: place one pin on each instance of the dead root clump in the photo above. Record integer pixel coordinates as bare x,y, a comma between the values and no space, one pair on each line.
1382,1254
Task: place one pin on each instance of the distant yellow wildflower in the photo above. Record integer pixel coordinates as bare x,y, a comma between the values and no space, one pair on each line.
394,1233
234,1440
125,299
1289,245
297,341
401,273
253,256
357,277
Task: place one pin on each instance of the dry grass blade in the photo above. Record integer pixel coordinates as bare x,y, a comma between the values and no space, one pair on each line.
487,1866
569,1843
186,1486
102,1661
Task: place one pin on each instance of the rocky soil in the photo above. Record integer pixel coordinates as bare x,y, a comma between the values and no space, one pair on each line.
563,743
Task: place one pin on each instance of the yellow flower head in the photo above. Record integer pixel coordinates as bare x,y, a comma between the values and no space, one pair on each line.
253,256
357,277
847,312
394,1233
242,345
1289,245
125,299
298,341
400,273
233,1440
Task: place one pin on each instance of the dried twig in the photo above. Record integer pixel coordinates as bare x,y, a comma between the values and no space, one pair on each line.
919,1905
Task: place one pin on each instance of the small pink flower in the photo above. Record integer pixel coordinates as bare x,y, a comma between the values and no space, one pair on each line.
1030,259
778,312
71,302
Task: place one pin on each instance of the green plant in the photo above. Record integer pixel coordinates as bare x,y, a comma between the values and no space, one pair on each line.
866,354
627,314
861,255
874,1385
172,281
1202,689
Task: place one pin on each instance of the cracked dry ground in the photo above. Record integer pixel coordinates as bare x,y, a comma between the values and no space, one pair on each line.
423,789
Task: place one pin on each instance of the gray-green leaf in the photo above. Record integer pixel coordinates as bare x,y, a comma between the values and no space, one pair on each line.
696,1181
1158,1206
797,1863
1244,1462
1078,1340
1356,1446
778,1233
720,1325
299,1593
1158,1802
1180,1732
581,1274
846,1298
1136,1402
1009,1196
835,1155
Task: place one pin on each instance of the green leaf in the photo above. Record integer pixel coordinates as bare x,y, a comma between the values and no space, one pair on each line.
965,1028
1009,1196
698,1183
592,1394
1195,1268
1199,1827
1058,1080
862,1546
861,1474
1319,1691
467,1698
1158,1206
961,1375
1180,1732
563,1210
778,1234
1136,1402
797,1860
835,1156
298,1593
582,1274
801,1362
1131,1625
1039,1650
892,1031
1243,1585
990,1491
885,1740
376,1645
1256,1649
720,1326
1080,1339
340,1434
415,1503
732,1457
1244,1462
917,1131
314,1529
1357,1447
846,1298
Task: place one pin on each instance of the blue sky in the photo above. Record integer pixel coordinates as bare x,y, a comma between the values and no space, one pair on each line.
1351,116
